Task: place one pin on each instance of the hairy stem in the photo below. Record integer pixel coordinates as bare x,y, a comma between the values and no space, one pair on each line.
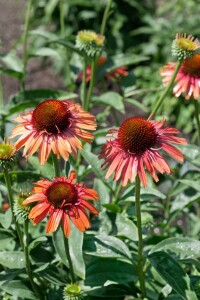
66,242
25,39
92,82
167,89
196,112
56,165
11,201
27,260
140,241
105,17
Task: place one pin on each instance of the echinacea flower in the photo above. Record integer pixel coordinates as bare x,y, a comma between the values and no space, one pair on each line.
89,42
184,46
187,79
53,126
7,154
137,144
62,200
111,75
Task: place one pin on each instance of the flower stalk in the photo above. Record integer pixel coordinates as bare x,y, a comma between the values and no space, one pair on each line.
25,39
11,202
56,165
92,83
140,241
105,17
27,260
196,111
66,243
167,89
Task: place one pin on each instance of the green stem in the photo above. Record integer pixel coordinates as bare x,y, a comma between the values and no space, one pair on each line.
92,82
56,165
66,52
167,207
162,97
25,57
28,264
11,201
1,93
105,17
196,112
117,193
84,83
140,241
62,19
66,242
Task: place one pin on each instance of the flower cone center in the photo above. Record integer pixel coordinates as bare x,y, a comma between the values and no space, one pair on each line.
137,135
186,44
61,191
192,65
51,116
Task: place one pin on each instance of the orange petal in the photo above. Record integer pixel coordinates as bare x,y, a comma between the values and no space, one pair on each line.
40,208
90,207
54,220
66,224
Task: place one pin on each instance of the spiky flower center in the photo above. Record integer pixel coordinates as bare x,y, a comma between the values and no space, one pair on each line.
186,44
6,151
137,135
61,193
51,116
192,65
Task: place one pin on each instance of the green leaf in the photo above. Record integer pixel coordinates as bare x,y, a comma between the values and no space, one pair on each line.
45,52
183,247
113,99
191,183
126,228
6,238
107,271
18,288
53,274
12,259
119,60
106,246
47,170
95,164
103,192
75,247
172,273
6,219
191,152
36,242
69,45
31,98
12,62
10,72
137,104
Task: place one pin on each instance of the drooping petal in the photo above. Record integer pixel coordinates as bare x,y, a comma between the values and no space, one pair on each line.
54,220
